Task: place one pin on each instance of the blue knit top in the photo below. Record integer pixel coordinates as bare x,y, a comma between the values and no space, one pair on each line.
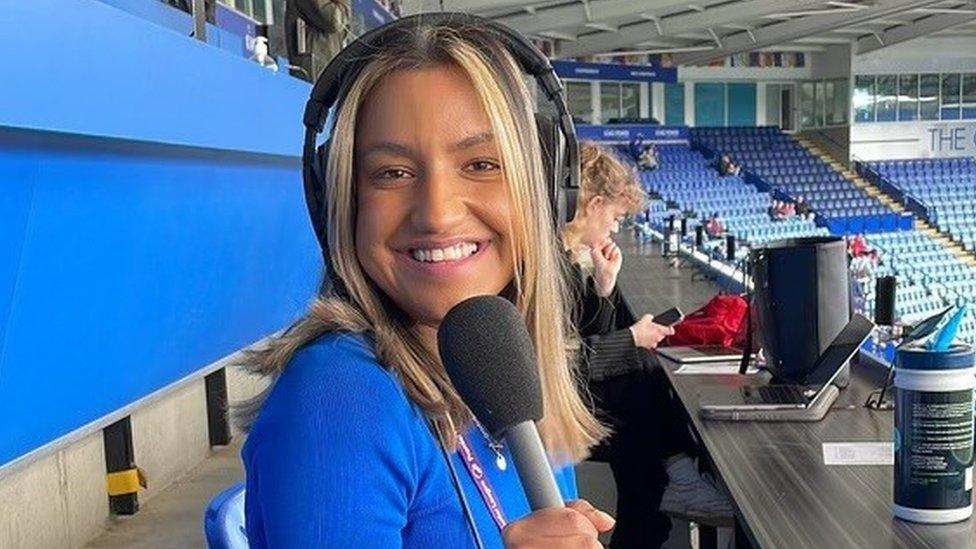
340,457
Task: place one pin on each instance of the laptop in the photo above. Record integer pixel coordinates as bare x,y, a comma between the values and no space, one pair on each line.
696,354
791,397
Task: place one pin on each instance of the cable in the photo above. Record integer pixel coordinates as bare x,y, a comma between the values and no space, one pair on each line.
456,481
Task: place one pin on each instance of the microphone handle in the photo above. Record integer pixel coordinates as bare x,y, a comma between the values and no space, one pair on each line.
533,467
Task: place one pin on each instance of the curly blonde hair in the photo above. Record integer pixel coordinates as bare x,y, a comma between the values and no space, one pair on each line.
603,173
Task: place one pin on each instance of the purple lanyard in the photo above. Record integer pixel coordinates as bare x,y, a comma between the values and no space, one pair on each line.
477,472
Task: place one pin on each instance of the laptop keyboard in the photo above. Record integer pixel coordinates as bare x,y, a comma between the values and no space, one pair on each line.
781,394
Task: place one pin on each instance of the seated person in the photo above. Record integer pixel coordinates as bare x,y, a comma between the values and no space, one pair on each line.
727,167
648,158
773,210
714,226
803,209
650,452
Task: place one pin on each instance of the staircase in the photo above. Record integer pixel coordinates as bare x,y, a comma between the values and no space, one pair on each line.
858,181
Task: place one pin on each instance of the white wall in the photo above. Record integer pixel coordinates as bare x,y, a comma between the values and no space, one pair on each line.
890,140
835,62
744,74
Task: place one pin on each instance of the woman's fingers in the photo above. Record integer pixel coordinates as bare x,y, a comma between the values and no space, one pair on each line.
600,520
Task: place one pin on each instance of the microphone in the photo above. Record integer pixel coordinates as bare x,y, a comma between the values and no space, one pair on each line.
489,356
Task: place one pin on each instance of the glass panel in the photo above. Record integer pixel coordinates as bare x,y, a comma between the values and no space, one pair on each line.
742,104
969,95
928,97
674,104
908,97
863,99
630,100
950,97
773,99
836,104
820,94
579,98
806,105
887,97
709,104
609,101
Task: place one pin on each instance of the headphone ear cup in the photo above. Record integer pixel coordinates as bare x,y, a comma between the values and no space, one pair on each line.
553,146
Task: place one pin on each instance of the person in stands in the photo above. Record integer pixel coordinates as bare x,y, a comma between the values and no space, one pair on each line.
714,227
803,209
316,30
648,159
726,167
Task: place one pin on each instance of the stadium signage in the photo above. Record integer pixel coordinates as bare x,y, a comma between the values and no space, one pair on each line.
612,71
952,140
625,133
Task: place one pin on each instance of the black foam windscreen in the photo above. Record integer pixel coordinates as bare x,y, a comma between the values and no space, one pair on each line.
684,226
730,247
884,300
699,236
489,356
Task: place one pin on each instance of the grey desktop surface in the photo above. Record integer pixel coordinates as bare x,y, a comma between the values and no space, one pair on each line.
784,496
783,493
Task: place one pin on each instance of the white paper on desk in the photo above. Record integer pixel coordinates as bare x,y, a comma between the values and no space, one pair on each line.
858,453
705,368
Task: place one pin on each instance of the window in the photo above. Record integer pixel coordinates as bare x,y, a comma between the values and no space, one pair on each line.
863,99
579,98
836,102
819,94
969,95
928,97
630,100
886,99
806,105
741,104
609,101
908,97
950,97
674,104
709,104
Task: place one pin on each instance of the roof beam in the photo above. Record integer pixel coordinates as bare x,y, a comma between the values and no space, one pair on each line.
675,25
572,15
787,31
904,33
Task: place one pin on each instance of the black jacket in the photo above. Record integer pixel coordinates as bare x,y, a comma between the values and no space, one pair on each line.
604,326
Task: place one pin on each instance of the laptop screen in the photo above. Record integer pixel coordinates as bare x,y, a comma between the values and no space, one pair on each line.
839,351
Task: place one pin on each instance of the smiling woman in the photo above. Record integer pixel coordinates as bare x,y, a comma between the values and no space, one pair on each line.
436,193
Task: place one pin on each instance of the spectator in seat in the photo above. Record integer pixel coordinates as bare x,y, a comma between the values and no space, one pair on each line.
648,159
714,227
803,209
726,167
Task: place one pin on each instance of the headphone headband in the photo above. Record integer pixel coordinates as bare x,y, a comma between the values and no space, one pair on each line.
346,66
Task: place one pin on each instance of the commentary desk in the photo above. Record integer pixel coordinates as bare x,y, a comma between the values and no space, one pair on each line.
783,494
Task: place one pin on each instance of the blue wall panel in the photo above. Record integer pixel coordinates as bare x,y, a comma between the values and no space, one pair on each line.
742,104
137,269
151,213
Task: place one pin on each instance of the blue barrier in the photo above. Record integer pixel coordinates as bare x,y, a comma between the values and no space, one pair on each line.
152,218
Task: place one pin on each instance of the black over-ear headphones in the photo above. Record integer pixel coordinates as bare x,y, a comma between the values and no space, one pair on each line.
557,133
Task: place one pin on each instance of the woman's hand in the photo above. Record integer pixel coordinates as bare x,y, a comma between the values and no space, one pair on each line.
607,260
647,334
577,525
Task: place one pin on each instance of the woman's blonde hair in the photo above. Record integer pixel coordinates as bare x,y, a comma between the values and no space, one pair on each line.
603,173
568,428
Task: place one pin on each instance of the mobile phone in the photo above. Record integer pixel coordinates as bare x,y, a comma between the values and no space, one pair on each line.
669,317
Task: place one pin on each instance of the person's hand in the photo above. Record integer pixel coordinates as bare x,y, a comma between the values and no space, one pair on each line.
647,334
607,260
577,525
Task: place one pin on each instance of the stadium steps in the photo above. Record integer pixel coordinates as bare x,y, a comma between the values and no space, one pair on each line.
858,181
948,243
850,175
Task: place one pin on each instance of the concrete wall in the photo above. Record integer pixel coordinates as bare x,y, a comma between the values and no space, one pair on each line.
834,141
59,499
